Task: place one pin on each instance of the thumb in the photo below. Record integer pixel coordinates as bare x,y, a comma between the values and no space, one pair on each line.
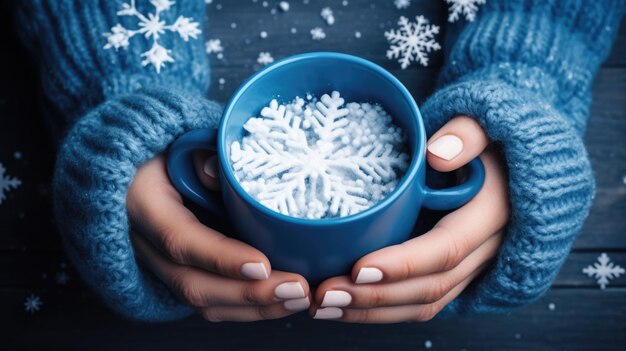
455,144
207,169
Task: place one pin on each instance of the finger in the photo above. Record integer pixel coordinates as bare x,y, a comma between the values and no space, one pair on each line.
248,313
452,239
342,292
395,314
157,210
455,144
207,169
201,289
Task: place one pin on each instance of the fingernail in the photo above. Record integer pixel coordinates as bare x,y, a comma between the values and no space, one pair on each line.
210,166
254,270
297,304
369,275
447,147
328,313
336,298
292,290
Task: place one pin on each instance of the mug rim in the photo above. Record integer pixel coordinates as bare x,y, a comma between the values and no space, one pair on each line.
417,159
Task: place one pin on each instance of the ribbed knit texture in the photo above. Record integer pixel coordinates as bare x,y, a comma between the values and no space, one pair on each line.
119,114
523,69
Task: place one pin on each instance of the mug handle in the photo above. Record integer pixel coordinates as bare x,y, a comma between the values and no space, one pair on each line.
182,173
451,198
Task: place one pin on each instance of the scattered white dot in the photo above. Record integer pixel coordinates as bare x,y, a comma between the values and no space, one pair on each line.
551,306
284,6
220,56
357,35
263,34
18,155
273,11
317,33
233,25
208,2
328,16
213,46
518,336
344,2
264,3
218,6
428,344
294,31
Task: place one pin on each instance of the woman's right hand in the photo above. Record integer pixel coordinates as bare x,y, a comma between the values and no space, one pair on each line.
223,278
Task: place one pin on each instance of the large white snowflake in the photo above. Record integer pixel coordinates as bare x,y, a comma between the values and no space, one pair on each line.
412,41
32,304
320,159
603,270
467,8
6,183
152,27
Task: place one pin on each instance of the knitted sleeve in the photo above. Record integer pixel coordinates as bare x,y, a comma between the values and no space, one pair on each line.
524,71
124,79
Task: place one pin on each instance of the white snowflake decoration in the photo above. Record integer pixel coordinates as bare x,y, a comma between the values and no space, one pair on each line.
265,58
6,183
603,270
317,33
467,8
402,4
213,46
152,27
320,159
32,304
328,16
412,41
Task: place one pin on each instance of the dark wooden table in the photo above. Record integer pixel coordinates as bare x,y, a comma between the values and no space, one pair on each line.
575,314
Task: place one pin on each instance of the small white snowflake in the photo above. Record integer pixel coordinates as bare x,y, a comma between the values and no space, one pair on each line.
152,27
6,183
412,41
328,16
603,270
213,46
467,8
265,58
319,159
402,4
317,33
62,278
32,304
284,6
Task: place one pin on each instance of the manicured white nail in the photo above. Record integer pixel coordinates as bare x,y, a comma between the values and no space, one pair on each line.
297,304
210,166
369,275
328,313
447,147
292,290
336,298
254,270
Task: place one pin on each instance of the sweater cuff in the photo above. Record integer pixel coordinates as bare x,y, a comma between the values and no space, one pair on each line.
551,188
95,167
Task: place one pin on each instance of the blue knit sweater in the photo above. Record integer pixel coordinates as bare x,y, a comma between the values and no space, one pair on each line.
523,69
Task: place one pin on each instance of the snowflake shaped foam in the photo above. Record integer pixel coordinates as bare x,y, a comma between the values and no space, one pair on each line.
603,270
6,183
412,41
152,27
317,33
32,304
265,58
402,4
320,159
467,8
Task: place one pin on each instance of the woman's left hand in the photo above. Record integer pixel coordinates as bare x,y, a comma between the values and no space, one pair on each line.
415,280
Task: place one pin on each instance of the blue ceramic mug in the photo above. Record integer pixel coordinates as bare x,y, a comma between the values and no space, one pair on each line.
317,248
